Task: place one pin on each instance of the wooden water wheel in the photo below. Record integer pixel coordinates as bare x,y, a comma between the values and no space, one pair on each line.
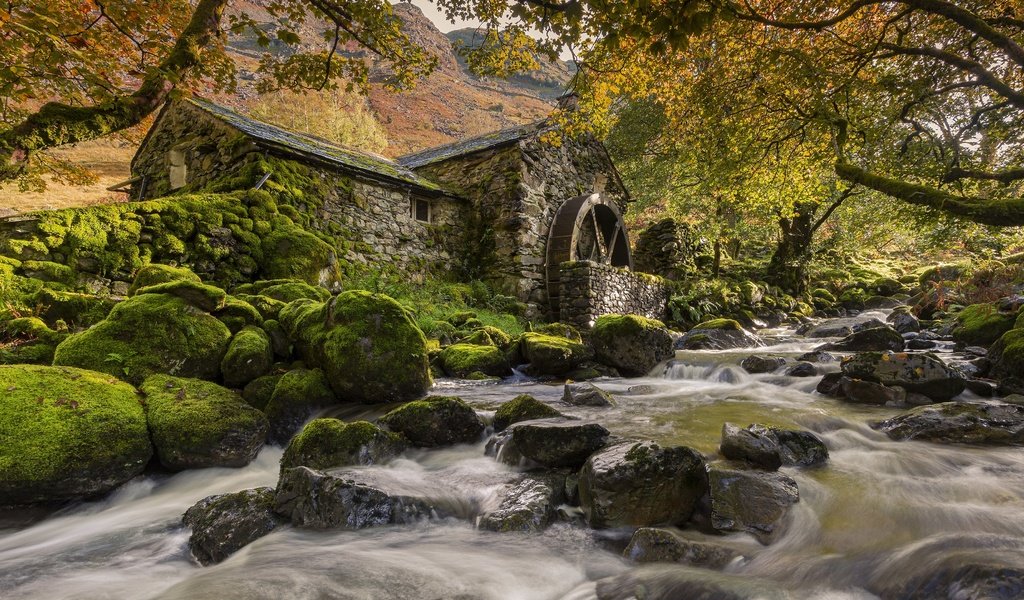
587,228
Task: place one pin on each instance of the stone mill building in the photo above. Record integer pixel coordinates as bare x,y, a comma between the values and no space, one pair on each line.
538,220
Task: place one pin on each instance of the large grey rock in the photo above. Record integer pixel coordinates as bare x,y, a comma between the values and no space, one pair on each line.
435,421
920,373
555,443
528,505
838,327
634,345
650,544
641,483
751,501
353,500
772,447
677,582
959,423
905,322
876,338
717,339
762,364
586,394
801,369
222,525
859,391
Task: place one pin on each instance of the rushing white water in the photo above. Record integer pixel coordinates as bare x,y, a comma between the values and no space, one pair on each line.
881,511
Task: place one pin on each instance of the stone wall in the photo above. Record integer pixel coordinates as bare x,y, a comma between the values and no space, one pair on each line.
517,190
589,290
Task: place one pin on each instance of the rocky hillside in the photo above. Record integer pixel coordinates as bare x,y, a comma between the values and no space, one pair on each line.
449,105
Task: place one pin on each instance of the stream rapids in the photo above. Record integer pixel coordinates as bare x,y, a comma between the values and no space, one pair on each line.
880,513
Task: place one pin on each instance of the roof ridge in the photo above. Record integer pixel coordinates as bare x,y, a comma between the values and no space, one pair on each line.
471,145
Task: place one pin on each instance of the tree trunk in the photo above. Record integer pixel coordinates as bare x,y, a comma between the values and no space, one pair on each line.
788,266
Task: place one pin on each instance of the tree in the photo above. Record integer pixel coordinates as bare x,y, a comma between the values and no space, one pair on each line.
75,70
336,115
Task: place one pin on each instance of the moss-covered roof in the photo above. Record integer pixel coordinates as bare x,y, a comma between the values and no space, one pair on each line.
487,141
307,146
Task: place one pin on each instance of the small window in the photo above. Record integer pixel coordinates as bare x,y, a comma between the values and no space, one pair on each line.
421,210
178,174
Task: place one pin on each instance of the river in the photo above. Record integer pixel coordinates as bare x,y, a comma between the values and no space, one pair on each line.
880,513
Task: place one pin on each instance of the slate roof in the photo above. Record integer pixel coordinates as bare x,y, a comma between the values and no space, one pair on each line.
469,146
307,146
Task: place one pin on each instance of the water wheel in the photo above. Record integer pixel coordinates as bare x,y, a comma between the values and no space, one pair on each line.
587,228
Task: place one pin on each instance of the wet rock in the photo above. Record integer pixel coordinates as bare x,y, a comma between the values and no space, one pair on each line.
762,364
751,501
802,369
528,505
349,500
905,322
677,582
552,443
830,385
718,334
632,344
877,338
859,391
880,302
222,525
552,355
299,393
328,443
755,445
817,356
641,483
586,394
435,421
650,544
800,448
772,447
920,373
919,344
523,407
959,423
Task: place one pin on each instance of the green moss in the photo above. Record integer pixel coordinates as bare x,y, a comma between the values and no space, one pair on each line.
49,271
613,326
560,330
435,421
149,334
66,433
1007,355
196,423
267,307
823,294
76,310
154,274
488,336
259,391
298,394
298,254
202,296
982,324
237,314
523,407
328,443
729,324
367,344
291,290
552,355
248,357
460,360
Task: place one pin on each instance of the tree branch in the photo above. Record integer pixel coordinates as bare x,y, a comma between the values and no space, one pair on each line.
984,76
56,124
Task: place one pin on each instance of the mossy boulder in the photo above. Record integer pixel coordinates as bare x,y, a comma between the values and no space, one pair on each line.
982,324
632,344
920,373
155,274
268,307
67,433
552,355
461,360
28,340
238,314
727,324
886,286
488,336
249,356
149,334
367,344
718,334
872,339
435,421
1007,356
298,394
259,391
74,309
202,296
329,443
196,424
298,254
523,407
290,290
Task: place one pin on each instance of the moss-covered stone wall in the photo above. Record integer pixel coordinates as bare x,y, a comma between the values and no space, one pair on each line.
589,290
